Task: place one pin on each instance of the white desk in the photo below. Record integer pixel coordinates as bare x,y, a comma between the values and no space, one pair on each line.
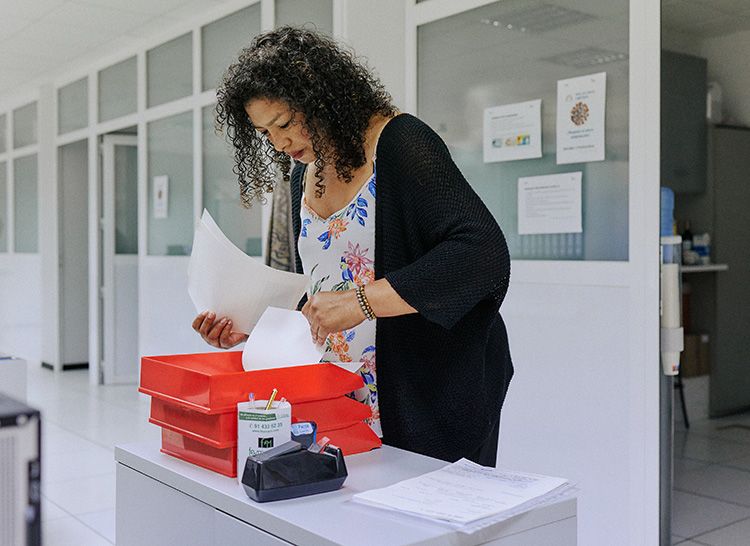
163,500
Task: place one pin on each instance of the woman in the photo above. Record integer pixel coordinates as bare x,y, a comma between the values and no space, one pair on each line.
405,261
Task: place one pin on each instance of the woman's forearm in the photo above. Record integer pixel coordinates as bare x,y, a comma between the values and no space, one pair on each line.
385,301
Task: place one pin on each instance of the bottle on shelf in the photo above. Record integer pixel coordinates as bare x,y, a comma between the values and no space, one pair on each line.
688,255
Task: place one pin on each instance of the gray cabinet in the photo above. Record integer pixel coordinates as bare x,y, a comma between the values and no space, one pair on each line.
729,174
683,122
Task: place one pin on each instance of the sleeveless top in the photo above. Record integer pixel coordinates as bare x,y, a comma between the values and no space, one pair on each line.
338,253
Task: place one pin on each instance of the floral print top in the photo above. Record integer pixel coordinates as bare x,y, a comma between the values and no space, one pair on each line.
338,253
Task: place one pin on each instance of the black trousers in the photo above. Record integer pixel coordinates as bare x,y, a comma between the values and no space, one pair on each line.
486,455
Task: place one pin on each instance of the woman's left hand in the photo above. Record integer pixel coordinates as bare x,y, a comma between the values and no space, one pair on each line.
330,312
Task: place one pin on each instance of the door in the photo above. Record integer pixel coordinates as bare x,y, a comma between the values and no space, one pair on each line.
119,260
73,256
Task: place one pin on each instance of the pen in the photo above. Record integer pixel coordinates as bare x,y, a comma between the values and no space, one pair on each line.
274,392
251,399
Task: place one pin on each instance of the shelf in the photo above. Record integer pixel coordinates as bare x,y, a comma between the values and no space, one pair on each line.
710,268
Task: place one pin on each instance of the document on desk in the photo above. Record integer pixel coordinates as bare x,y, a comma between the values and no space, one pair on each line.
466,495
225,280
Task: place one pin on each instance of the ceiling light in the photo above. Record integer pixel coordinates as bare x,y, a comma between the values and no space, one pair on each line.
538,18
589,56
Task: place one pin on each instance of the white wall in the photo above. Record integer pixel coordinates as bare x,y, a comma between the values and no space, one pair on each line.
729,64
680,42
21,306
378,35
568,408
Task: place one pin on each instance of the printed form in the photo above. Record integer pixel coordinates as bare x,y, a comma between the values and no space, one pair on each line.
466,495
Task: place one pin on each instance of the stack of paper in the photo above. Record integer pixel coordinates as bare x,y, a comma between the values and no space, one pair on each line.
260,300
467,496
225,280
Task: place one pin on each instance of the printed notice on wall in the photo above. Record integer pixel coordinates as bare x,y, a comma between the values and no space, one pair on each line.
513,131
550,204
161,196
581,108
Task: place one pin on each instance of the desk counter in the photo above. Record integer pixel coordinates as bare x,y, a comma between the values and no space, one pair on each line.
163,500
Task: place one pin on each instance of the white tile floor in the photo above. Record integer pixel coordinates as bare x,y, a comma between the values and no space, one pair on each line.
711,503
82,424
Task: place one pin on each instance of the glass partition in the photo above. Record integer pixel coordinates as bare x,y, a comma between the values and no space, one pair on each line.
221,193
24,126
294,12
118,93
222,40
3,133
170,185
169,70
126,199
3,206
25,206
515,51
73,106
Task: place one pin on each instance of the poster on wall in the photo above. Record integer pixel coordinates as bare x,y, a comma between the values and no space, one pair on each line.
513,131
550,204
161,196
581,109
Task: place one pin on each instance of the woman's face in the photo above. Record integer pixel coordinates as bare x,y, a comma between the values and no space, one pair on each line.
286,131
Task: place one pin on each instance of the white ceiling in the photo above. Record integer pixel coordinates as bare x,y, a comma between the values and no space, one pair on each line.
39,37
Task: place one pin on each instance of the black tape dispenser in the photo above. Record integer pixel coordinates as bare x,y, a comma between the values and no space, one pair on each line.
289,470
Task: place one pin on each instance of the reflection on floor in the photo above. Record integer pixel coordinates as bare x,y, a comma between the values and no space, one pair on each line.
82,423
711,503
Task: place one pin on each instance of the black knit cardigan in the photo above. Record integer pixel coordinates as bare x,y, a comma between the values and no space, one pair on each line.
442,373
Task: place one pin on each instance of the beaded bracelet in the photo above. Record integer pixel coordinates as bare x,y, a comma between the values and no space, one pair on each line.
364,304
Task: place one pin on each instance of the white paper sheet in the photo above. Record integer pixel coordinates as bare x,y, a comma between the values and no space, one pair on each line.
465,494
513,131
581,109
225,280
550,204
281,338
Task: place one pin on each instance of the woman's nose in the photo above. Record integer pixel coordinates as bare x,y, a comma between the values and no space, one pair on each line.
279,143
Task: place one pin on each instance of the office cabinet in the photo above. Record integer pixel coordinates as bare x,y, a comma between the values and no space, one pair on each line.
683,122
729,154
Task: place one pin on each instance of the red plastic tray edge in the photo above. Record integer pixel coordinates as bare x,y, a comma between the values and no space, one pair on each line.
192,435
182,458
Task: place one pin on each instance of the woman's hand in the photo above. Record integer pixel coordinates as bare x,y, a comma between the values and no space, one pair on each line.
217,333
330,312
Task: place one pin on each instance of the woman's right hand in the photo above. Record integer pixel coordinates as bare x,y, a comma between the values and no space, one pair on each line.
217,333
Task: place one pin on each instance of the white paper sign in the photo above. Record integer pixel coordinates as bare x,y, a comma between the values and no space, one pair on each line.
581,109
280,339
161,196
513,131
225,280
550,204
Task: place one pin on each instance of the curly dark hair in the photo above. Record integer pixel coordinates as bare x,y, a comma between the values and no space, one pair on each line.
336,93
